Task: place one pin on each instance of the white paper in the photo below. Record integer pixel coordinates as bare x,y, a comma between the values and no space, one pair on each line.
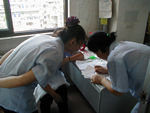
105,8
88,72
87,66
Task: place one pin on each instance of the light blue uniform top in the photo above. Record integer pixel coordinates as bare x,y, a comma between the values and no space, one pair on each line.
127,65
43,55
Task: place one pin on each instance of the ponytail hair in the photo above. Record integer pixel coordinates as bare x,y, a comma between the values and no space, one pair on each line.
71,30
112,36
100,41
72,21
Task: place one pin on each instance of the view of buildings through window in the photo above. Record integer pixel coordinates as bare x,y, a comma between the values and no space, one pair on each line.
35,14
3,24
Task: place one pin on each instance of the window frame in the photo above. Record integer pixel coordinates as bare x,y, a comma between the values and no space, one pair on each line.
10,31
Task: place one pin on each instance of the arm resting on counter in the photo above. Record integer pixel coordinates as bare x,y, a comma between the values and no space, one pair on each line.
99,79
77,56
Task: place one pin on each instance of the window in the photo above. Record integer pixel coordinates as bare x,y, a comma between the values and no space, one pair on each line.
3,24
28,16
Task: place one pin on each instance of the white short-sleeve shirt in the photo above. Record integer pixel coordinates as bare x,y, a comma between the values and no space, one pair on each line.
127,65
43,55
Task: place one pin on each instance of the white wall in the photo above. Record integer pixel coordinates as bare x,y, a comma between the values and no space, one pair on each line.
113,20
132,19
87,12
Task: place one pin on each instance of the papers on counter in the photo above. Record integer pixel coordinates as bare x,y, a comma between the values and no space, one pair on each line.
87,66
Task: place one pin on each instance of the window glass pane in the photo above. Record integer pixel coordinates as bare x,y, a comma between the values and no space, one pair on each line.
3,24
37,14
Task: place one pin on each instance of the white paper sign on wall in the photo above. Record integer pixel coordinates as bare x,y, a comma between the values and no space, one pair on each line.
105,8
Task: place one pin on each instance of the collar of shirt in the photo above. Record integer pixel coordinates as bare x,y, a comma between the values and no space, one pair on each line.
113,45
61,42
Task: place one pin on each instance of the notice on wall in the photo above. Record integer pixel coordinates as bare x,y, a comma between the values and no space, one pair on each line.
105,8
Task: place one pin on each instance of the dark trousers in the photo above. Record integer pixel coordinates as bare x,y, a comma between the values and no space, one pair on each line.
47,100
8,111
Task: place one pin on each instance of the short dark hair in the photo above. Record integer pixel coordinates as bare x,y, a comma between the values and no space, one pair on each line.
100,41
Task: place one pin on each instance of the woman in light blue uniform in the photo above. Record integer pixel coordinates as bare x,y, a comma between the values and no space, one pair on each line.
127,64
56,82
36,60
